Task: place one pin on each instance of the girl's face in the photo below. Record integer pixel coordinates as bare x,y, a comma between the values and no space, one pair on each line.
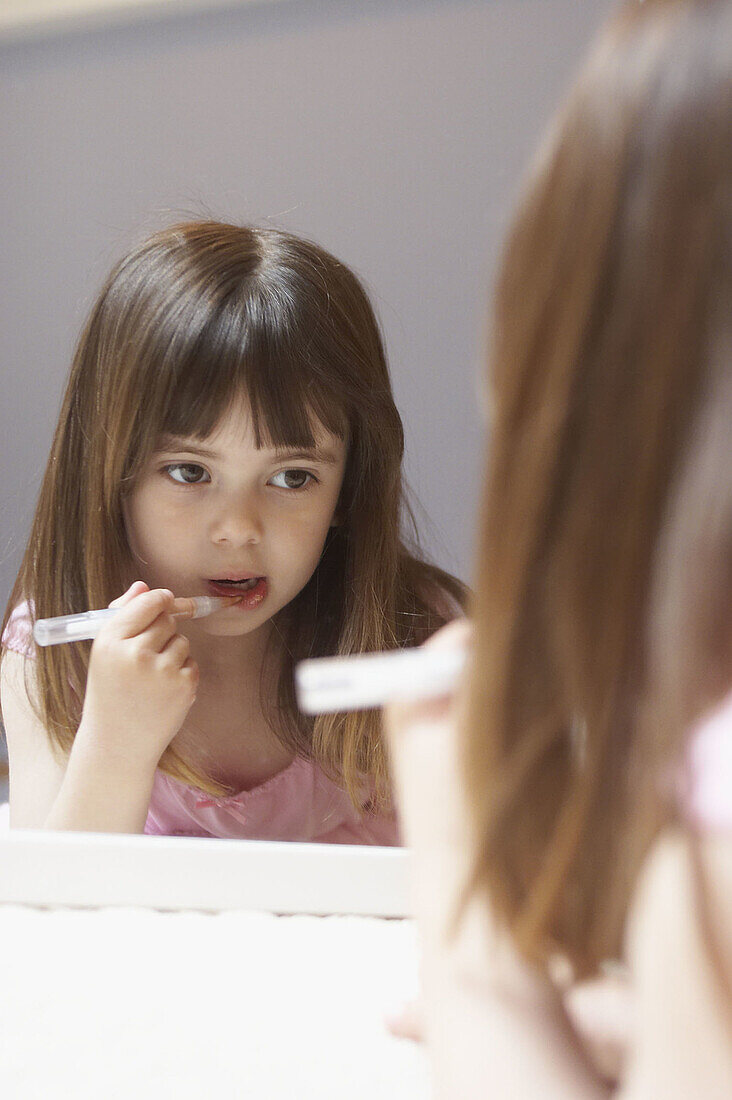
219,516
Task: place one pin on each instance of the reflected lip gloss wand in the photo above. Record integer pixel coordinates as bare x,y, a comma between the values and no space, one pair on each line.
327,684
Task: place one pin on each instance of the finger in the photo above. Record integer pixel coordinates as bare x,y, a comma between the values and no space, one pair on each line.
190,672
176,652
159,634
453,634
134,590
140,612
402,713
407,1022
184,607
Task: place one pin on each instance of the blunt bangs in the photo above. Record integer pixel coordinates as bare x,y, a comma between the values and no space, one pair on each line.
216,314
246,345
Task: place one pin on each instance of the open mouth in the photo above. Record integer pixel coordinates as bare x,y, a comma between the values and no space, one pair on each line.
252,590
238,586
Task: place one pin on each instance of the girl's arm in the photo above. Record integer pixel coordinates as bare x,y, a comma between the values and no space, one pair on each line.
140,686
489,1042
683,1042
493,1027
495,1030
48,790
37,769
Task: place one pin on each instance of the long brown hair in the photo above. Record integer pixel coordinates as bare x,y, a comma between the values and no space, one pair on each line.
190,319
604,594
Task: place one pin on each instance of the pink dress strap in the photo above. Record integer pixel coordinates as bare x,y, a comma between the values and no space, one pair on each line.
18,633
707,796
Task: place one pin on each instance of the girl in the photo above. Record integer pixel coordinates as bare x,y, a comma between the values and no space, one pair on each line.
589,813
228,429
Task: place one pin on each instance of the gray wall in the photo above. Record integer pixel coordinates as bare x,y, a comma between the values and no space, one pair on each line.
394,132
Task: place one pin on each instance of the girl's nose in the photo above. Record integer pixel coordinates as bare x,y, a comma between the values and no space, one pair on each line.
238,522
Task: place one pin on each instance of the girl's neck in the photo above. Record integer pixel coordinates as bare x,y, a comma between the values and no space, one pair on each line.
227,733
241,657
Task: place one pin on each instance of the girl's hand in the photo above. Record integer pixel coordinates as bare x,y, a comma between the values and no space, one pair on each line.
422,739
426,771
141,681
478,971
601,1011
424,746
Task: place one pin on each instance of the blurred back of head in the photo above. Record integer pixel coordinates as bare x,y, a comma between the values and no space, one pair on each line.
604,595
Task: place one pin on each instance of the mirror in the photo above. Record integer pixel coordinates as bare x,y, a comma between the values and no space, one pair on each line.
394,134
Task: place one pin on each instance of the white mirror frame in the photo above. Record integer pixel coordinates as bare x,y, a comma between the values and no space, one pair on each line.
20,18
93,869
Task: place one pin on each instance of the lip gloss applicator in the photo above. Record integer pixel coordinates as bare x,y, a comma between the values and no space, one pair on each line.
327,684
87,624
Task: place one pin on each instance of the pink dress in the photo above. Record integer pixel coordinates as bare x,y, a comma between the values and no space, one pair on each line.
299,803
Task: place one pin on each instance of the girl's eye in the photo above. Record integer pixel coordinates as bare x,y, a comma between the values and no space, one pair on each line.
186,473
292,479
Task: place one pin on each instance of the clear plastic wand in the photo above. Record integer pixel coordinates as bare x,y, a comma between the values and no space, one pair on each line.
87,624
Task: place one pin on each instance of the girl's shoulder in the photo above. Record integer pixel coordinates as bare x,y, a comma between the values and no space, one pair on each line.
707,795
18,633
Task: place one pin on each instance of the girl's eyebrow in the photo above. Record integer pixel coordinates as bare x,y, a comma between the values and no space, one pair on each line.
312,454
179,443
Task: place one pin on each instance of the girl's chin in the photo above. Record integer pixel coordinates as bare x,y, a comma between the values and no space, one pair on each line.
231,625
228,629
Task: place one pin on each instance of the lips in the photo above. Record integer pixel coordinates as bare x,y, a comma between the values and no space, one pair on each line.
252,589
236,584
